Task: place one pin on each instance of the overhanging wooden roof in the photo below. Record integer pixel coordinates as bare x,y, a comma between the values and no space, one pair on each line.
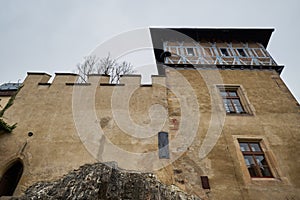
260,35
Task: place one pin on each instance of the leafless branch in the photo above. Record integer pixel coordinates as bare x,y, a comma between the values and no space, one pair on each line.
106,66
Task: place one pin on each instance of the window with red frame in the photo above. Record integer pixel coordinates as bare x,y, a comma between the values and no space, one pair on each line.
255,159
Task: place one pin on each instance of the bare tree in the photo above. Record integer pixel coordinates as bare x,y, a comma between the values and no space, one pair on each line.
106,66
87,67
121,69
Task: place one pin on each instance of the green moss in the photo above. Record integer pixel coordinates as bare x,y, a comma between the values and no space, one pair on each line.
9,103
3,125
6,127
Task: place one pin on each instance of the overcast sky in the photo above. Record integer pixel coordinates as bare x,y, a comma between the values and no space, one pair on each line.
54,35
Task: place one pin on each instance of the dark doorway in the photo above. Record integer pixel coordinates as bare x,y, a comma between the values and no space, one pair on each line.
10,179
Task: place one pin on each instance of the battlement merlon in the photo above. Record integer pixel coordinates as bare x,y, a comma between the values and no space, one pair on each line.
34,78
98,79
69,79
42,78
63,78
158,79
131,79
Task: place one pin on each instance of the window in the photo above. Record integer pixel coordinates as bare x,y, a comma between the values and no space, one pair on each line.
231,100
163,145
255,159
190,51
242,53
235,100
224,52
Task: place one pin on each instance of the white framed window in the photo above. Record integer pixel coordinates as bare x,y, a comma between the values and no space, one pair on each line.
241,52
224,52
190,51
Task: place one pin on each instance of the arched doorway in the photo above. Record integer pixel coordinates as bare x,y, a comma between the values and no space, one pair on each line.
10,178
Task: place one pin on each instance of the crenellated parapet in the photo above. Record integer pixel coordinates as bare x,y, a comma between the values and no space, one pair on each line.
70,79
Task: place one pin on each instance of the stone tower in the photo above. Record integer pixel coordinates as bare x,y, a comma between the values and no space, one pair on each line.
248,132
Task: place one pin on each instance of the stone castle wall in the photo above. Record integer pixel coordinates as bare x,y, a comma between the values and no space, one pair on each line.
74,124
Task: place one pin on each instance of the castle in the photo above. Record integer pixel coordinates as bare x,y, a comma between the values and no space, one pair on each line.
217,121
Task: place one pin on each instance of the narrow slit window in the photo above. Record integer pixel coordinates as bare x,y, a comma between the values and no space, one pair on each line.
163,145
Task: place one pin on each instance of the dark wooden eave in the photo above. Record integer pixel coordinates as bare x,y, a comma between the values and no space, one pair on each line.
277,68
7,93
260,35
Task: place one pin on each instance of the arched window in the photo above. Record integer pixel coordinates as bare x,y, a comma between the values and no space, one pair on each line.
10,178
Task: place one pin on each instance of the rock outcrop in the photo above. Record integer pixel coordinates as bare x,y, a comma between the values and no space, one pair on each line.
105,181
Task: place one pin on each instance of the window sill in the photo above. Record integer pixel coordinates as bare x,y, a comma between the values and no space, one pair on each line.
264,179
239,114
